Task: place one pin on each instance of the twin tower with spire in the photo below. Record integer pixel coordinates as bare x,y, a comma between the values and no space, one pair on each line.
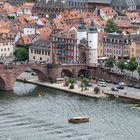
91,35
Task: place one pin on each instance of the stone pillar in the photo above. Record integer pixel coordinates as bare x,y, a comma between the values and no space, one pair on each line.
9,80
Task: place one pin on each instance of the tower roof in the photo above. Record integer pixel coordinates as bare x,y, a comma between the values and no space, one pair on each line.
92,28
82,25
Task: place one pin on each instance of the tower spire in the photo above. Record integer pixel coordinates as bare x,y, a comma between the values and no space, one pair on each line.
92,27
82,24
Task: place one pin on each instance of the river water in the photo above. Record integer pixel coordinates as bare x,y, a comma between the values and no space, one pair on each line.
36,113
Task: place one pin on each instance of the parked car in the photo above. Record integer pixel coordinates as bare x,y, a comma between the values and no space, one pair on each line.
60,79
137,86
108,81
130,85
101,80
114,89
33,73
29,70
120,87
115,82
102,84
90,85
122,84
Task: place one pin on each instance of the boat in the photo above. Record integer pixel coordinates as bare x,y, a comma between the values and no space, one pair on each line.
78,120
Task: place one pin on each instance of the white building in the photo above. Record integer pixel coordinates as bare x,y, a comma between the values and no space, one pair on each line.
6,50
29,31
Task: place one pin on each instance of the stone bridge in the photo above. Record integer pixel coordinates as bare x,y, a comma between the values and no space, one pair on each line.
9,73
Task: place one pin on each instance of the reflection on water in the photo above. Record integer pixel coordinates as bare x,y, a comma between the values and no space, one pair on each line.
37,113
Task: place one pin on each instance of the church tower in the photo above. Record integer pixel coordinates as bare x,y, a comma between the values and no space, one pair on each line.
92,44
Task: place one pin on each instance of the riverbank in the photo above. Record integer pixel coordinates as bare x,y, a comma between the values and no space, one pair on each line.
59,86
124,95
104,91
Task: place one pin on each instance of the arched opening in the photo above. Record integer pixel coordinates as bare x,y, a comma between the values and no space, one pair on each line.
82,72
2,84
66,72
32,73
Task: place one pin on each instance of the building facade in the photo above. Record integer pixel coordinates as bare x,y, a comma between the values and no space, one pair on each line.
6,50
64,47
117,5
49,9
120,46
40,51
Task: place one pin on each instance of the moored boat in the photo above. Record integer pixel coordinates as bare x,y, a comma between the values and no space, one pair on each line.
78,120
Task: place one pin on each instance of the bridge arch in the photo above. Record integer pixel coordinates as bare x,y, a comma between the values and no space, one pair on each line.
82,72
66,72
41,76
2,83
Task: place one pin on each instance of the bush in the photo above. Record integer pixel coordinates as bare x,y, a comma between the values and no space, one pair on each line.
81,76
71,86
96,90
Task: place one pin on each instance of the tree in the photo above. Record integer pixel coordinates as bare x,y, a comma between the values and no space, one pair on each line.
96,90
82,85
111,27
29,0
71,81
121,65
110,63
139,72
66,80
86,82
132,64
21,54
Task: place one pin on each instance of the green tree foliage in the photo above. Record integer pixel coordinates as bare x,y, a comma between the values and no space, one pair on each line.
11,17
66,80
96,90
71,81
111,27
110,63
29,0
84,84
21,54
132,65
139,72
121,65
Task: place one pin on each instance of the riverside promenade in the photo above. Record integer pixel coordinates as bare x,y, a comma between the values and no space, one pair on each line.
124,94
59,86
104,91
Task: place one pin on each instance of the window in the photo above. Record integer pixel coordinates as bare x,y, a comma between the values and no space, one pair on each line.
42,52
40,58
33,57
31,50
45,52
